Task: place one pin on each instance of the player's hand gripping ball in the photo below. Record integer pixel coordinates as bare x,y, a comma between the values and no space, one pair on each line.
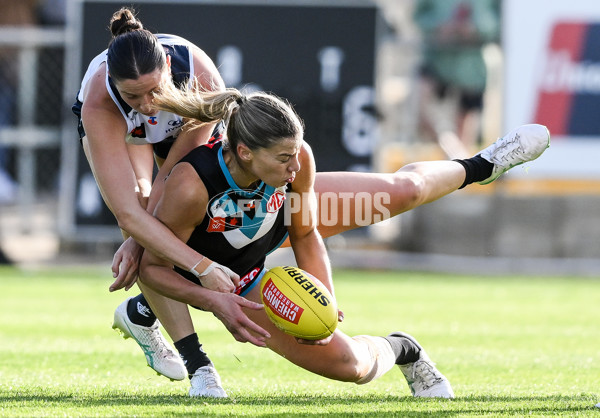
298,303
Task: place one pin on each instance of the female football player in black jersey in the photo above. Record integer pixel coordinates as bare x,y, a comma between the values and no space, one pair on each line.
225,200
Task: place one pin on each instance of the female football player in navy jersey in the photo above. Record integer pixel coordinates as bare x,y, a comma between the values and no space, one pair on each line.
121,133
223,199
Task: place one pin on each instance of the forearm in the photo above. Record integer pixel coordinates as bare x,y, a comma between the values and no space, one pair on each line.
117,182
154,236
227,307
168,283
311,256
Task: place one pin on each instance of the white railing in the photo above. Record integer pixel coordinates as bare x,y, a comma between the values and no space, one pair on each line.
25,137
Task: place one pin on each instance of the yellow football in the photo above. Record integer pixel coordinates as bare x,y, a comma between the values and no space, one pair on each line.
298,303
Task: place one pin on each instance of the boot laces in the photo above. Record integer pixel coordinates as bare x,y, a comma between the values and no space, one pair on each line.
209,378
506,153
424,372
158,343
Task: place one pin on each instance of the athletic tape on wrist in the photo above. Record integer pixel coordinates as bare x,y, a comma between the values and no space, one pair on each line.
203,265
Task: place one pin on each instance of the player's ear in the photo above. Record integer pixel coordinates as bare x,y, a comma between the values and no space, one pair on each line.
244,153
169,63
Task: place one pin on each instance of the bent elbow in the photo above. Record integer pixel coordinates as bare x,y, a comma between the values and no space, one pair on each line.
127,221
145,273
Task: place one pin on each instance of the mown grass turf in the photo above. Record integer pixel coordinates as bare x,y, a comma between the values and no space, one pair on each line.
510,346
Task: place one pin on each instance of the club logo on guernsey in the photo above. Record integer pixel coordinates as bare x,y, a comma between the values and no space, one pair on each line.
275,201
280,305
138,132
244,217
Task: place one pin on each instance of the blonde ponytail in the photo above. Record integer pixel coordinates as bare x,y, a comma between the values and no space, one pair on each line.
196,103
258,120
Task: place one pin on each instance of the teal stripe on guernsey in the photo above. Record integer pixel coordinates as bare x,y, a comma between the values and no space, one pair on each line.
230,180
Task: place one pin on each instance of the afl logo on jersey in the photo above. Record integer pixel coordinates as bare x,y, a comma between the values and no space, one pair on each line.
228,210
152,120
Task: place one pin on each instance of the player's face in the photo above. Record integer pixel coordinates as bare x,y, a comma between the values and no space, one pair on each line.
139,93
278,165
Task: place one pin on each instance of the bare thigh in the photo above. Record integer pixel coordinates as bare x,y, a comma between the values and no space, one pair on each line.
349,200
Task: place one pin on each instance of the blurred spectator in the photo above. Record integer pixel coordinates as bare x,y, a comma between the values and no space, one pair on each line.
14,13
52,12
453,74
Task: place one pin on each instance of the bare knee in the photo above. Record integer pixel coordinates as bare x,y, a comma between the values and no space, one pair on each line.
345,365
348,369
409,187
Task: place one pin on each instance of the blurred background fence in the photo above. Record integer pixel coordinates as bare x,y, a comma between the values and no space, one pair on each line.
31,97
363,76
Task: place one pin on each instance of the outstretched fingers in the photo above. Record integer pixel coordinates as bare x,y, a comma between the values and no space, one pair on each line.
242,333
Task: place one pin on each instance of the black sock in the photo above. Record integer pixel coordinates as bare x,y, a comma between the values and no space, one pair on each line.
405,349
139,312
477,169
191,353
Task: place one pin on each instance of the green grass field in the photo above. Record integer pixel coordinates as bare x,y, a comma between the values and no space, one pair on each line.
510,346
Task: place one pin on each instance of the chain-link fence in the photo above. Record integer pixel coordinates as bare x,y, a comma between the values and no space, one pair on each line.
31,113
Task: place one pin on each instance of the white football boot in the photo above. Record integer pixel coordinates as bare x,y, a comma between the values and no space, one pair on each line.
521,145
206,382
159,354
424,380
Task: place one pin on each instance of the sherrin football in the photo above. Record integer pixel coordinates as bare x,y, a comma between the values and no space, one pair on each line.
298,303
